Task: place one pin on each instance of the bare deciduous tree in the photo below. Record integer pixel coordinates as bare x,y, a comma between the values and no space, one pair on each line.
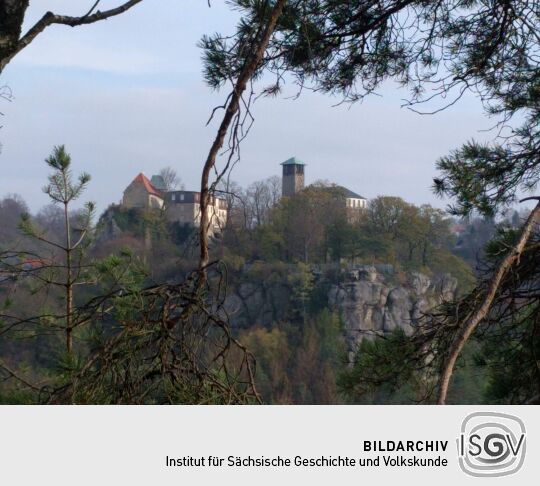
171,179
261,196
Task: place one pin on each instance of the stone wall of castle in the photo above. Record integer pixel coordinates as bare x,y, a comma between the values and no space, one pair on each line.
136,196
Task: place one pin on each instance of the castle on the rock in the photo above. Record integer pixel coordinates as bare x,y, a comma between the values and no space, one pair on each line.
292,181
183,206
179,206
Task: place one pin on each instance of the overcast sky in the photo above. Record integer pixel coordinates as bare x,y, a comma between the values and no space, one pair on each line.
126,96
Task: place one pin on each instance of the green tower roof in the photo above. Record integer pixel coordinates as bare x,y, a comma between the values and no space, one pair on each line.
293,161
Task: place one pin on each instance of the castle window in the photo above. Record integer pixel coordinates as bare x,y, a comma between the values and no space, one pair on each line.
173,197
181,197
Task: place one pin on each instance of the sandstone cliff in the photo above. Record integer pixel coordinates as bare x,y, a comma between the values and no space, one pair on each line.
370,300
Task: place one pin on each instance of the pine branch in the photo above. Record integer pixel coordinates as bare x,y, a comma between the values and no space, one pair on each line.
471,323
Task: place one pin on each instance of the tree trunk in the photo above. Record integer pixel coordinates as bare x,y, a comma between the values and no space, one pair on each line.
69,283
11,19
230,111
467,328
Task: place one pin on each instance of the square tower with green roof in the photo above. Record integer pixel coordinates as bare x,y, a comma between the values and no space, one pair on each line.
293,177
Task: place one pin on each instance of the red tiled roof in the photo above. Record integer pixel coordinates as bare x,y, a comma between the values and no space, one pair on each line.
141,178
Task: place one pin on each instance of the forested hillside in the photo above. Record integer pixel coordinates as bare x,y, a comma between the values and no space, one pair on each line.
305,288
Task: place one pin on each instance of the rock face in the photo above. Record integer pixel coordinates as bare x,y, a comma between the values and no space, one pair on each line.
107,229
250,304
369,301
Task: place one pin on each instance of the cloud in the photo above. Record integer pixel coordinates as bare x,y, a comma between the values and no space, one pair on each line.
55,52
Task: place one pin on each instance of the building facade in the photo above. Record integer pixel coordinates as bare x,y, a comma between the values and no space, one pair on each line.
179,206
355,204
353,200
142,194
183,207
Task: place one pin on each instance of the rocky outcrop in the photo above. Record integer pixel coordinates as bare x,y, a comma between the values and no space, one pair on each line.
107,229
370,300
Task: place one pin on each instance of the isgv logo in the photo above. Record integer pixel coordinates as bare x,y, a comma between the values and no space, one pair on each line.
491,444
